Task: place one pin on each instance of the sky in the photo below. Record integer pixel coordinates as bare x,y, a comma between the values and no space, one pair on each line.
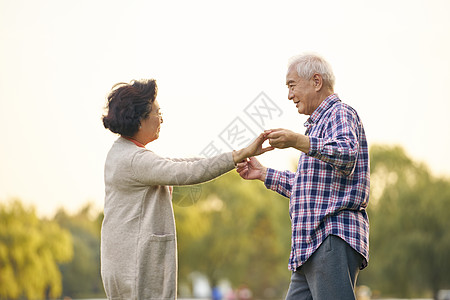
214,62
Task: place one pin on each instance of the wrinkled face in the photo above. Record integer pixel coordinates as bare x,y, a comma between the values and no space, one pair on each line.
302,92
151,126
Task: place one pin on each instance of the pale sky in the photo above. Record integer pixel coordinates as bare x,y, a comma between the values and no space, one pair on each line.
59,59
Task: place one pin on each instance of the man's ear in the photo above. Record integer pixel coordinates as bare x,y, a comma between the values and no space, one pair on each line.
317,82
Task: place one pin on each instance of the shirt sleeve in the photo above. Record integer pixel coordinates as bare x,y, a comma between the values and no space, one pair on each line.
152,169
280,181
340,146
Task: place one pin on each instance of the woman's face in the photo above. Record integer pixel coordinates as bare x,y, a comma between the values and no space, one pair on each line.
152,124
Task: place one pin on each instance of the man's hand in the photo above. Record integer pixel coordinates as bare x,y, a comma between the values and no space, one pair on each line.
284,138
251,168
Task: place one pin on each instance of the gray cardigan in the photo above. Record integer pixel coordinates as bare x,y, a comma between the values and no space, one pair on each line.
138,238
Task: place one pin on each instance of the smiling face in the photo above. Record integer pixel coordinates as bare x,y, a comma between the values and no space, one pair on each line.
151,126
303,92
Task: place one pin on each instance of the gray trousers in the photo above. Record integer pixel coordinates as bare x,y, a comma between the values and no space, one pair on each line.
330,273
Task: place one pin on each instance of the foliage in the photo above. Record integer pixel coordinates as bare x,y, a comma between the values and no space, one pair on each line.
238,230
81,276
409,212
30,249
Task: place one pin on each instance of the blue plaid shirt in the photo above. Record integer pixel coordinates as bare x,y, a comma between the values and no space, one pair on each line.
329,192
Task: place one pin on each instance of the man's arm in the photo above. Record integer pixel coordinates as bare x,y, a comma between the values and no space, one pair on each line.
284,138
339,147
280,182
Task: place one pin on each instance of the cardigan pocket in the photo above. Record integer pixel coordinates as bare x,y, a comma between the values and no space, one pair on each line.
157,271
161,237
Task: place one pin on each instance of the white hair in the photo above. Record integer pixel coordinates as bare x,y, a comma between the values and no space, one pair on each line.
308,64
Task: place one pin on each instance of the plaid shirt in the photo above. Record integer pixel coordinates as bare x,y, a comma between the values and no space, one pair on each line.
329,192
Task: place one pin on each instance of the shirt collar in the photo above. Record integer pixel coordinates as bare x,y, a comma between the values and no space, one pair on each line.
323,107
134,141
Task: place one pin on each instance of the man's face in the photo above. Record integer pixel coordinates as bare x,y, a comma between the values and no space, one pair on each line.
302,92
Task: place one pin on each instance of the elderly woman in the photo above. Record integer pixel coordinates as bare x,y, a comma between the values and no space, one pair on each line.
138,239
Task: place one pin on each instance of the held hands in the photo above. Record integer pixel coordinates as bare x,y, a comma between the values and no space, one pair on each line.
284,138
254,149
250,168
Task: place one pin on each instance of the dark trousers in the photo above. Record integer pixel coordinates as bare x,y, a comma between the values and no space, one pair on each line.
330,273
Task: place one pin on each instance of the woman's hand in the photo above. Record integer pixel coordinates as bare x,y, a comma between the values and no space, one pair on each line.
251,168
255,148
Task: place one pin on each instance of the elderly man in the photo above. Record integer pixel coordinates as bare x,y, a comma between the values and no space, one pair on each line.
329,192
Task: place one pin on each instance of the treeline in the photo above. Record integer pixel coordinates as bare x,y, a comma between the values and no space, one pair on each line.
240,231
409,215
47,259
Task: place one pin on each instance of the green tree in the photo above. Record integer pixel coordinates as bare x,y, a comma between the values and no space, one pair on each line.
30,249
81,276
237,230
409,213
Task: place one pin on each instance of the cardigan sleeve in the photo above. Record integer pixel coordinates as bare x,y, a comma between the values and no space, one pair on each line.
185,159
152,169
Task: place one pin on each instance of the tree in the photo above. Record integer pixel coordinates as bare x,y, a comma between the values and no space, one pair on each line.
409,213
81,276
237,230
29,252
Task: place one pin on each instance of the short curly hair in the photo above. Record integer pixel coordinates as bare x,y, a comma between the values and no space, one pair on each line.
128,104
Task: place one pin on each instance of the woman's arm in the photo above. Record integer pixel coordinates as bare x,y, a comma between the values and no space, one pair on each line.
152,169
185,159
